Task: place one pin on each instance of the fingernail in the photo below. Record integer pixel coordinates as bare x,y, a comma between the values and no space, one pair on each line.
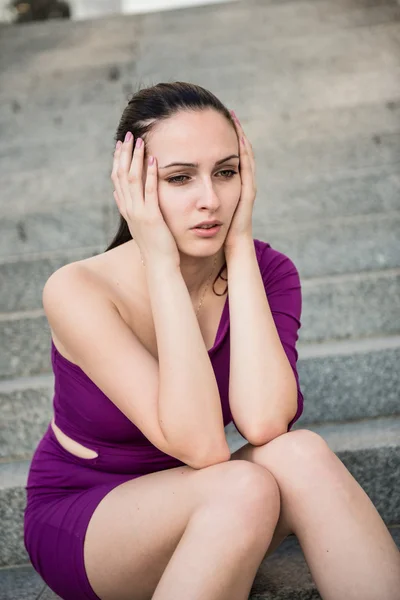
151,160
128,137
139,143
118,144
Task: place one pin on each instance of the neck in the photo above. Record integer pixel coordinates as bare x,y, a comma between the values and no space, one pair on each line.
197,272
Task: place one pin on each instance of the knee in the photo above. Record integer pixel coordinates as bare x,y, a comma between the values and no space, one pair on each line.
304,445
295,453
250,486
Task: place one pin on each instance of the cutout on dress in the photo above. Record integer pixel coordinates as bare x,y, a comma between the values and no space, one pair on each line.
71,445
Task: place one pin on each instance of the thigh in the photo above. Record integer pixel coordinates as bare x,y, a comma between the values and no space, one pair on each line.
136,527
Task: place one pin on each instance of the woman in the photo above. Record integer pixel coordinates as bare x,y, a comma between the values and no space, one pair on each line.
132,492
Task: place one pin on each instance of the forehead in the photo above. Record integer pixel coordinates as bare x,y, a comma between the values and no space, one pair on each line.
194,132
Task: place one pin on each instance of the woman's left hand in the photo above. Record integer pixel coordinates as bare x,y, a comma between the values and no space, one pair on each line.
241,225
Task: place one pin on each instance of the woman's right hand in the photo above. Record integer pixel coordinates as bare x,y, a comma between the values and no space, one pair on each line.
140,207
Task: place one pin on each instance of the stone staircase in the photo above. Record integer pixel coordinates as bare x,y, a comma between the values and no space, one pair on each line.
316,85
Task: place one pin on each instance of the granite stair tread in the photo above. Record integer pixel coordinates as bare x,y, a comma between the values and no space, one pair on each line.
282,576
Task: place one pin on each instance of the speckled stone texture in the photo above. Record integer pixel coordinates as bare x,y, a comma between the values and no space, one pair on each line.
282,576
325,132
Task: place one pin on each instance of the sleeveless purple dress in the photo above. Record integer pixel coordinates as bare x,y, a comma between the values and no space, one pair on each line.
64,490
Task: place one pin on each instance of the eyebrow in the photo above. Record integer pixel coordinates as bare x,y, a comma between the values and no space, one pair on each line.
182,164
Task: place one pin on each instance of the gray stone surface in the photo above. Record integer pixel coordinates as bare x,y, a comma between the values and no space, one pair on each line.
24,277
317,249
283,201
326,136
352,381
73,227
47,594
274,18
284,575
339,246
336,307
323,113
13,474
346,192
331,126
369,450
12,506
20,583
25,415
26,338
351,306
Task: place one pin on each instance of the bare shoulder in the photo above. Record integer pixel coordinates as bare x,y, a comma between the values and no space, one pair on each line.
113,275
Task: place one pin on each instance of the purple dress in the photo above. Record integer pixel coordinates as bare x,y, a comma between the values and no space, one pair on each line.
64,490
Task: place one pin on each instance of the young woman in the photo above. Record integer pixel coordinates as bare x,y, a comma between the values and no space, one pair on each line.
132,492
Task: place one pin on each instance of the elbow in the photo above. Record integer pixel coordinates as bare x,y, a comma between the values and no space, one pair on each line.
198,456
267,433
212,458
262,432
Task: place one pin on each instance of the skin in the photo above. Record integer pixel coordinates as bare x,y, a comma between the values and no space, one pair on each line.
354,546
198,193
295,476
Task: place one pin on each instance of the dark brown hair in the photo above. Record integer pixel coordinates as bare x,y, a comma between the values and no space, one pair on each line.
149,106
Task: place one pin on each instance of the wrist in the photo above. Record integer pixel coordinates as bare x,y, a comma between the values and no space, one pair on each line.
241,245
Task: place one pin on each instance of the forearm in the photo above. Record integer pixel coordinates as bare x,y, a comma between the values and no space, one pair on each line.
190,412
262,385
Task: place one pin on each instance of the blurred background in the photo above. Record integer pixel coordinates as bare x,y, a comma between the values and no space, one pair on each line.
316,85
40,10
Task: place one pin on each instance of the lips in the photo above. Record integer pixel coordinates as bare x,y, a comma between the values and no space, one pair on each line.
207,233
200,225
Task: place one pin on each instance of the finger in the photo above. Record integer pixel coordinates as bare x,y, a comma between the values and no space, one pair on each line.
125,179
241,133
114,176
120,175
246,170
135,175
151,187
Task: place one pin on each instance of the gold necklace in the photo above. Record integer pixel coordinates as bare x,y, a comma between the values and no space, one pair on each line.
208,281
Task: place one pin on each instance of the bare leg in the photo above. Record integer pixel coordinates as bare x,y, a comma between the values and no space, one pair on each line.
346,544
219,553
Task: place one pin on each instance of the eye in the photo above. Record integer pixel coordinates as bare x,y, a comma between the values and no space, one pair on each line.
227,174
173,179
232,173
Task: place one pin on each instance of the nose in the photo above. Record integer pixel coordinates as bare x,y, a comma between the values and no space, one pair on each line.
209,197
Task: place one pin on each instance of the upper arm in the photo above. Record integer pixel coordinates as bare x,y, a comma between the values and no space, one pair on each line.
90,327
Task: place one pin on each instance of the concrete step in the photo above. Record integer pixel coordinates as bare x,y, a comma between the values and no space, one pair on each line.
298,54
369,449
282,576
321,248
329,125
109,40
308,153
271,20
336,307
345,381
54,230
311,128
82,210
